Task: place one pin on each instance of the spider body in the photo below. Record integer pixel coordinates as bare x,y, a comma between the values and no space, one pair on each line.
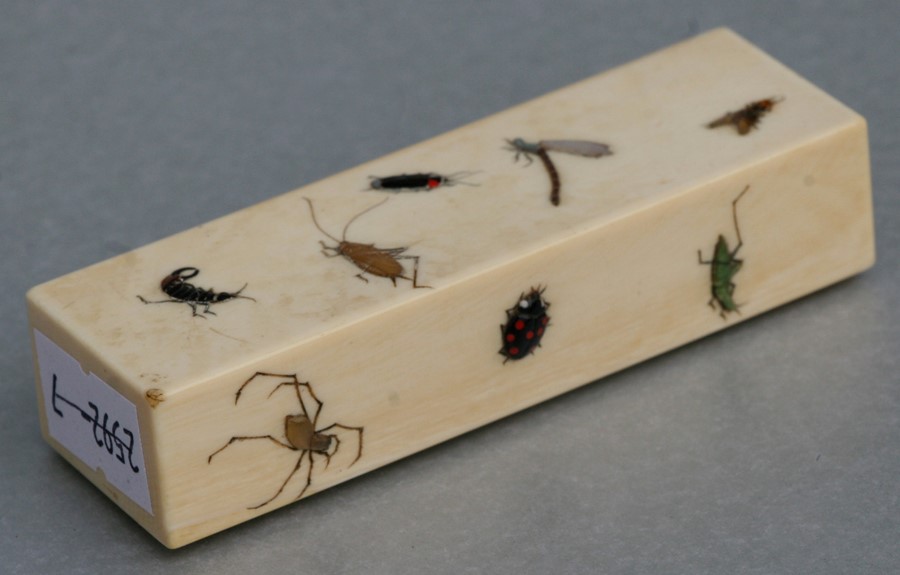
301,434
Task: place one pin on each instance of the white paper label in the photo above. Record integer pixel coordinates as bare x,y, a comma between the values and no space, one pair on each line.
93,421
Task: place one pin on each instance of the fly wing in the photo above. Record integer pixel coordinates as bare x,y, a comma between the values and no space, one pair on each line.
577,148
722,121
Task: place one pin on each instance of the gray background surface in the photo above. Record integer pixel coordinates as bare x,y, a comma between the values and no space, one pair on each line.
773,447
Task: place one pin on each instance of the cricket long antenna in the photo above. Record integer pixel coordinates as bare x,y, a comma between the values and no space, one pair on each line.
734,216
316,222
353,219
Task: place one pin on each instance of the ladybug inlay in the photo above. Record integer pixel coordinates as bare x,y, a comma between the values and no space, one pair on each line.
525,325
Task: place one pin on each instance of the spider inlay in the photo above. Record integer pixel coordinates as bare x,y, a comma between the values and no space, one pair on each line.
301,433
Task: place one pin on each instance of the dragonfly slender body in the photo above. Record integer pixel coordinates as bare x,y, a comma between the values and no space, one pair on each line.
583,148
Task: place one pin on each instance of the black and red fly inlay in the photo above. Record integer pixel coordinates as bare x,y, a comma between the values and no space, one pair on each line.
418,182
525,325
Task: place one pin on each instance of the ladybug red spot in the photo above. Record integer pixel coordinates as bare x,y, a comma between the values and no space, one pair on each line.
544,320
510,337
520,324
513,351
540,330
433,183
529,335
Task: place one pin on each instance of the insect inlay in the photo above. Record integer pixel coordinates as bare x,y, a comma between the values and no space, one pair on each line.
748,117
417,182
180,291
380,262
540,149
723,266
301,432
524,327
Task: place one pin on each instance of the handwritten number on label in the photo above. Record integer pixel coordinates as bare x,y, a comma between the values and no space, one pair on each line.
105,436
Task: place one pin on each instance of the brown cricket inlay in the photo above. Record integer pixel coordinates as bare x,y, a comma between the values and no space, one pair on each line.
381,262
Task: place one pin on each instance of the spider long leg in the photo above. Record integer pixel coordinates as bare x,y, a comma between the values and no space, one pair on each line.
337,446
359,431
291,376
240,390
297,384
308,476
246,438
280,489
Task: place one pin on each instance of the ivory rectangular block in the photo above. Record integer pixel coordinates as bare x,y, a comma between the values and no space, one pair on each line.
168,413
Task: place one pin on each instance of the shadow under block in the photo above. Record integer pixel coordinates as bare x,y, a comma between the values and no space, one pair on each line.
167,415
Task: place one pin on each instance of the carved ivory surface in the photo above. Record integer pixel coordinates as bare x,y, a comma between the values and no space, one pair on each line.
303,341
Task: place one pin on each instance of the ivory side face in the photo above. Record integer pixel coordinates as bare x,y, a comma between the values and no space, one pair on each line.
214,376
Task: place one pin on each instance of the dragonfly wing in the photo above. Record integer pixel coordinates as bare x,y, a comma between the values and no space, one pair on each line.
577,148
